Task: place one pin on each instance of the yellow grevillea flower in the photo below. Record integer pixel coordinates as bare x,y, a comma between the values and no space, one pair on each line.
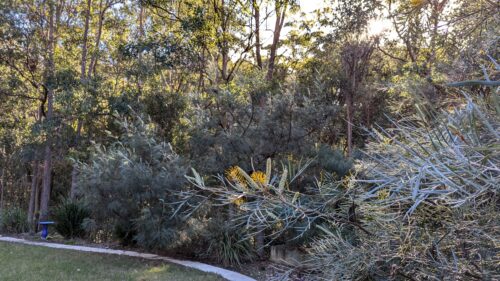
259,177
233,174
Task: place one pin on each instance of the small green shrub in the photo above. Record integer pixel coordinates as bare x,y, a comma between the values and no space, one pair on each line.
69,217
13,220
228,245
334,161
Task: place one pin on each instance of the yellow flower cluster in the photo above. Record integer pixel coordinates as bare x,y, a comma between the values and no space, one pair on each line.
233,174
259,177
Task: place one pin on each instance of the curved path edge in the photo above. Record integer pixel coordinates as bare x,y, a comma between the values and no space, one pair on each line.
227,274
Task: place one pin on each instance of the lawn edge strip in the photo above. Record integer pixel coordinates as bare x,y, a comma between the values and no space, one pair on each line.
227,274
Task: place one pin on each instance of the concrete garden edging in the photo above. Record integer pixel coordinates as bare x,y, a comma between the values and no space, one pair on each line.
227,274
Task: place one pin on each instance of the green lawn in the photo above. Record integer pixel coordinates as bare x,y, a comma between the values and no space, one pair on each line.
22,262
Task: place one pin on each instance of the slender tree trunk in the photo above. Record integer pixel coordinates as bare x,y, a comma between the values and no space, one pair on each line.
34,189
83,71
141,36
95,55
280,20
83,64
36,212
46,183
256,15
47,172
349,105
2,176
225,61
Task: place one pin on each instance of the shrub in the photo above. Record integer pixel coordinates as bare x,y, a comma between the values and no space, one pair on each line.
69,217
271,206
227,245
428,195
334,161
13,220
238,130
422,205
129,183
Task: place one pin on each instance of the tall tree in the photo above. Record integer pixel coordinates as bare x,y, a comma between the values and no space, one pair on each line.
355,59
83,63
49,88
280,10
257,22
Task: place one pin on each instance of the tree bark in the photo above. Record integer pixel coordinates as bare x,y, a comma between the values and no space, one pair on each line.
349,105
224,44
36,212
256,16
49,74
33,193
281,9
95,55
83,70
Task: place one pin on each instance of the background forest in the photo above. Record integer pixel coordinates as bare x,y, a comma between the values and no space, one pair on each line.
362,133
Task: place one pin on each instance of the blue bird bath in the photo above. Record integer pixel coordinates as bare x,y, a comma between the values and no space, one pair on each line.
45,228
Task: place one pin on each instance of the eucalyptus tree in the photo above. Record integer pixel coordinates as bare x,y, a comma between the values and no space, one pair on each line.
31,34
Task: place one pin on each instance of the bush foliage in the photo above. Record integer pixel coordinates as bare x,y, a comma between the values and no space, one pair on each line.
423,204
13,220
69,217
129,183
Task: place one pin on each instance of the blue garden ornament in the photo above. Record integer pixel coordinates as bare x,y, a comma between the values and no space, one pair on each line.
45,228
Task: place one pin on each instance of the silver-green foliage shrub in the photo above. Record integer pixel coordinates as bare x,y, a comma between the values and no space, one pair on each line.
128,184
428,197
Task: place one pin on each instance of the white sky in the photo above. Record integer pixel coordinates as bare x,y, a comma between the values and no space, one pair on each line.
375,27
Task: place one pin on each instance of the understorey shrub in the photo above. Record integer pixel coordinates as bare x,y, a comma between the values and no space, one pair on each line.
13,220
128,186
227,244
422,203
69,217
268,204
428,198
237,130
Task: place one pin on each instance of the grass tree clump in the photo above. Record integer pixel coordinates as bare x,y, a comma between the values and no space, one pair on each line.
70,216
227,244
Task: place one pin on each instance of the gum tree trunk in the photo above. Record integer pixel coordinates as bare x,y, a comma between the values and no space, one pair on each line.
33,193
49,74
